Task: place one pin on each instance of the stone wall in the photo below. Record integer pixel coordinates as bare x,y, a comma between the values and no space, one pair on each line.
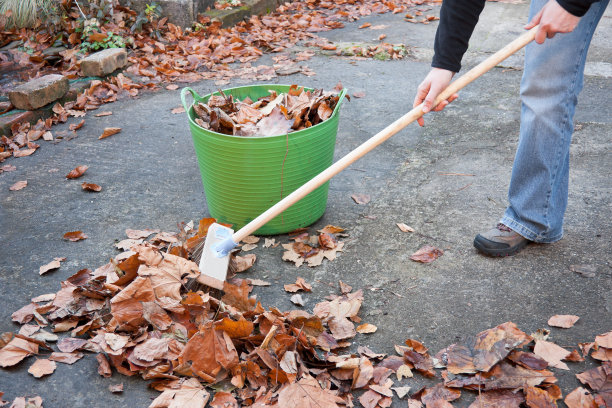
185,12
179,12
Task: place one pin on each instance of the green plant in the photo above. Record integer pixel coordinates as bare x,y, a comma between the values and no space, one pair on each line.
25,13
152,12
94,39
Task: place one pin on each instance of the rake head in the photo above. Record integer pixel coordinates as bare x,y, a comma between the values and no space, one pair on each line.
215,256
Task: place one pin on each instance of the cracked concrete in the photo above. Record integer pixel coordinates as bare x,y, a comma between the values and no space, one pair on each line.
151,180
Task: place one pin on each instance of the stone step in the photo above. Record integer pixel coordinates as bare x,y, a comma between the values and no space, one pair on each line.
39,92
104,62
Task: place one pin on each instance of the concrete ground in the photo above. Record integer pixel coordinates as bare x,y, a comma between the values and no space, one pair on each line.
151,180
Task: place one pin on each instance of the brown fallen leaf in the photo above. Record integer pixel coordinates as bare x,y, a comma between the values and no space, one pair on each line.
300,284
404,228
502,376
527,360
177,110
16,350
251,239
70,344
427,254
18,185
307,393
366,328
270,243
138,234
552,353
539,398
601,354
588,271
563,321
604,340
77,172
23,152
258,282
104,368
75,236
55,264
430,395
172,87
580,398
66,358
109,131
25,314
297,300
359,94
116,388
77,126
485,350
248,247
42,367
382,37
91,187
345,288
337,312
498,399
101,114
361,198
221,353
331,229
274,124
224,400
187,394
365,25
401,391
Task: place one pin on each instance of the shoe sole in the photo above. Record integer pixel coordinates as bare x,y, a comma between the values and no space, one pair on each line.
480,246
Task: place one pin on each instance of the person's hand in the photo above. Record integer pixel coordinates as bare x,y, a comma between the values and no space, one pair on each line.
435,82
552,19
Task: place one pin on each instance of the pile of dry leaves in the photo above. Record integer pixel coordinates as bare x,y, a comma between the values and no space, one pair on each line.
272,115
144,314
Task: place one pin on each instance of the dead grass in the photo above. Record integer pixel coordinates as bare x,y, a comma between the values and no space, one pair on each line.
24,13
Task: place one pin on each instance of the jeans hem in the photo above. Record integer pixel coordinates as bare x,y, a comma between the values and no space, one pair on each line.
528,233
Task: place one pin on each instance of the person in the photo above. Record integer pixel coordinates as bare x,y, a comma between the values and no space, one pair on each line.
552,79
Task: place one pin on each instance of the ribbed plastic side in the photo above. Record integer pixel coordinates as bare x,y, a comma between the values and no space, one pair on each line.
244,176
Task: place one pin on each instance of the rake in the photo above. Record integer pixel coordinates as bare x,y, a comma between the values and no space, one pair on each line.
220,239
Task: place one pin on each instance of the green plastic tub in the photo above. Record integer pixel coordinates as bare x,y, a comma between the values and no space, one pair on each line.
244,176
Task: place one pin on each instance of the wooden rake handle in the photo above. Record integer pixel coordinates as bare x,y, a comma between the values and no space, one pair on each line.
383,135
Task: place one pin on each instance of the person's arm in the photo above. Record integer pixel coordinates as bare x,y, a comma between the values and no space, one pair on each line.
557,16
457,21
576,7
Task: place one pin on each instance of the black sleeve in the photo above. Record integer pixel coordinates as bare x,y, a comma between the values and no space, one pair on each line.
457,21
576,7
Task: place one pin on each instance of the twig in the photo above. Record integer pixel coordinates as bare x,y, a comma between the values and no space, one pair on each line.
268,338
79,7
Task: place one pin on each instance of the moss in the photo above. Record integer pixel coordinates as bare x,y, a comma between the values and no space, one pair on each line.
382,56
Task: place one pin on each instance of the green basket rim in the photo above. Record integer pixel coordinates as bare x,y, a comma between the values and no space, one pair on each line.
197,97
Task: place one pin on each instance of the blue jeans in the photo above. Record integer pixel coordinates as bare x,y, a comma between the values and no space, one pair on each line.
552,80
